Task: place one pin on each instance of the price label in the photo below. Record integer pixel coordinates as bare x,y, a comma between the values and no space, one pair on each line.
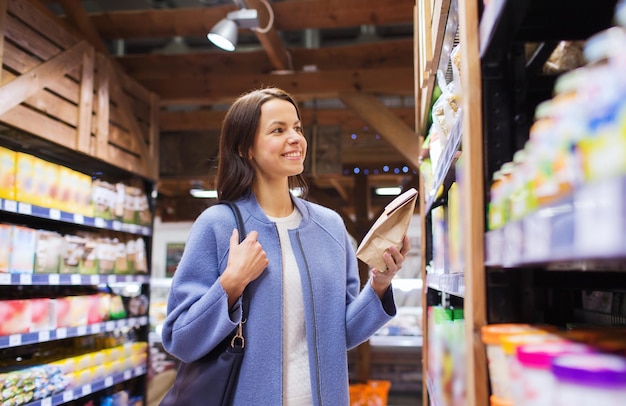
96,328
117,226
15,340
46,402
54,279
68,396
122,323
61,333
10,205
127,375
75,279
79,218
111,279
110,326
44,336
129,278
25,208
86,389
26,279
55,214
138,371
5,279
81,331
108,381
99,222
143,320
94,279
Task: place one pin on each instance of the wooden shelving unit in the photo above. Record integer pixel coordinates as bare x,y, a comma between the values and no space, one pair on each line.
505,280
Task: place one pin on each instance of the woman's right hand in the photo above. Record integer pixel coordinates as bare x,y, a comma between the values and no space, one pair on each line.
246,262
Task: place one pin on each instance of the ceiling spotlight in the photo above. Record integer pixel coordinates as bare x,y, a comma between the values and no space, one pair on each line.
224,33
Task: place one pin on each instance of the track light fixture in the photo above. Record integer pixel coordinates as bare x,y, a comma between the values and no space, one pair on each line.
224,33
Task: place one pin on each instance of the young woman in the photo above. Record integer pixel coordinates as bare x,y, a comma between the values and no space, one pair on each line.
297,263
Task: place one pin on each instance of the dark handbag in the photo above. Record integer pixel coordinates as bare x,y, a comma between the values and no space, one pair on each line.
211,380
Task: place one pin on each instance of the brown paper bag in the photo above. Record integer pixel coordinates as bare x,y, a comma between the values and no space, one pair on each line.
389,229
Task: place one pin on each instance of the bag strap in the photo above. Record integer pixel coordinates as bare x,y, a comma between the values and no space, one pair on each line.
238,338
238,218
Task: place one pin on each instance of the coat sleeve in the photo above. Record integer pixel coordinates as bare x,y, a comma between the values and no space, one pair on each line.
366,313
198,317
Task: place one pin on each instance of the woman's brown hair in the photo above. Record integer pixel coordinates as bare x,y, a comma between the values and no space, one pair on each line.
234,171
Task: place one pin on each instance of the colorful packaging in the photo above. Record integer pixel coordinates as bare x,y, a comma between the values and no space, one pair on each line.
23,243
6,230
8,167
49,245
15,316
25,178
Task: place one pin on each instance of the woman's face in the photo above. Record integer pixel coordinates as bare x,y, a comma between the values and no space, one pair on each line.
279,145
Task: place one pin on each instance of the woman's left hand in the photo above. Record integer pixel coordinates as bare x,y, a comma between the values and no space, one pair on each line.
394,259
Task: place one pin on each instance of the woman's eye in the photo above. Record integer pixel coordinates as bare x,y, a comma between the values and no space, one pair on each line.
277,130
299,129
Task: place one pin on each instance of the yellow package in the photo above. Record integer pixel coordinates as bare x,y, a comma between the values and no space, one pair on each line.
7,173
25,178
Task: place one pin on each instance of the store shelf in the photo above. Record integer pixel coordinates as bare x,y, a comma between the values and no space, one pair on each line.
588,225
93,387
444,166
451,283
15,340
27,209
68,279
430,385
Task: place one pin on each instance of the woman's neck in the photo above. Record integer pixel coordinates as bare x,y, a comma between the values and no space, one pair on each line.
275,201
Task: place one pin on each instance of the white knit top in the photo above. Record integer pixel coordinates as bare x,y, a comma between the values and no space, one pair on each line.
296,374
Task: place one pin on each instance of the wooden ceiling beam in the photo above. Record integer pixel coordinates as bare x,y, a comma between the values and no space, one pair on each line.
268,36
217,89
392,53
78,17
289,15
205,119
387,124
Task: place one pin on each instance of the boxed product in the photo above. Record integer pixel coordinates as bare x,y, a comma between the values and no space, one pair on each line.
61,311
131,205
89,263
41,315
43,182
49,245
23,243
136,254
65,189
94,314
78,310
5,246
103,196
7,173
105,255
121,257
84,194
15,316
72,254
25,178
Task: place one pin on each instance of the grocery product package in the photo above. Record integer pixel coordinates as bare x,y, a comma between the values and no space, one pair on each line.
389,229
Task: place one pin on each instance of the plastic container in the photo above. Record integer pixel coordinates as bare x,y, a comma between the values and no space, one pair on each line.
492,335
510,344
589,379
538,383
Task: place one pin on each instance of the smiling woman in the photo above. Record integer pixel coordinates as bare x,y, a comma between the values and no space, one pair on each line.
297,266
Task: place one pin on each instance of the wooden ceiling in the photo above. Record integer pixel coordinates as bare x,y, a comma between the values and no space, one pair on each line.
349,62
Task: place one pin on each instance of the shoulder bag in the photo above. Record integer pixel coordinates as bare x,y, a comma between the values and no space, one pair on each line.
212,380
